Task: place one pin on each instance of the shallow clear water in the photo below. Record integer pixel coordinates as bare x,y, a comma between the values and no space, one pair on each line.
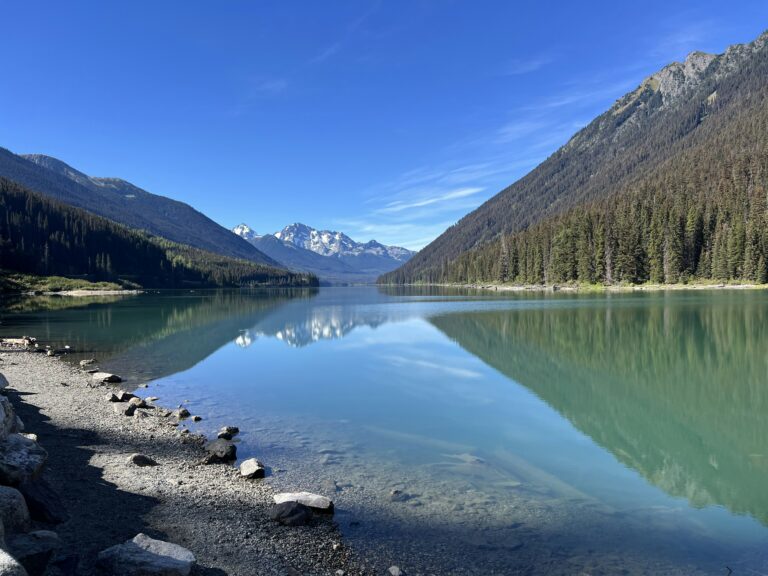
535,434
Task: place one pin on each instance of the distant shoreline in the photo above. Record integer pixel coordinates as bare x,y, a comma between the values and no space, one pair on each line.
590,288
84,292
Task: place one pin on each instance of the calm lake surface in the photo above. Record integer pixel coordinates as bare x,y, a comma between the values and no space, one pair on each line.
520,434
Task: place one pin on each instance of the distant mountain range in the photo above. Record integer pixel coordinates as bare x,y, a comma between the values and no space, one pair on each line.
126,204
332,256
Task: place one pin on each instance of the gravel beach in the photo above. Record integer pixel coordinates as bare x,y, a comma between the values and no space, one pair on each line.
222,518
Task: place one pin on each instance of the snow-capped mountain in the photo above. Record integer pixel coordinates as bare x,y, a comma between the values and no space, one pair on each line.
333,256
245,232
331,243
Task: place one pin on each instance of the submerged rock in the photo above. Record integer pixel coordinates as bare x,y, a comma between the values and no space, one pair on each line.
14,513
220,451
145,556
34,550
21,459
314,501
87,362
252,468
291,514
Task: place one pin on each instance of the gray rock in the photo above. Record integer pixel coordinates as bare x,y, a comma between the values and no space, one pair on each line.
141,460
34,550
181,413
44,503
9,566
107,378
138,402
152,398
314,501
21,459
120,396
145,556
14,513
3,382
87,362
231,430
220,451
124,409
395,571
291,514
196,418
7,417
252,468
18,425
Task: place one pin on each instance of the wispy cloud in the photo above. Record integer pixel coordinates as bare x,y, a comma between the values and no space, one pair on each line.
326,54
521,66
268,86
442,197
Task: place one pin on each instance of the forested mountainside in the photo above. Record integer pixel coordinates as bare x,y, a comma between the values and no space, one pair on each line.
126,204
657,188
45,237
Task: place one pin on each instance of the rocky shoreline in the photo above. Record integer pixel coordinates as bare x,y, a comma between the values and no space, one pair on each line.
116,471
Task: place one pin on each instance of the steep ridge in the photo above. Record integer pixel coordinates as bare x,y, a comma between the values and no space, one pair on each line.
126,204
672,111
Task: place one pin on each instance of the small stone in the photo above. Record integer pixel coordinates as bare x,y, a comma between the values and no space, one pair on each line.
124,409
220,451
87,362
152,398
181,413
146,556
314,501
252,468
232,430
164,412
291,514
395,571
107,378
339,572
138,402
396,495
196,418
141,460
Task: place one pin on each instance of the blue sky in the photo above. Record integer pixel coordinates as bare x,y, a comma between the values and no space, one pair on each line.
385,119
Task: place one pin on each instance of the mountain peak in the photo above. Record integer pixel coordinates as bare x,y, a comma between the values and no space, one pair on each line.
245,232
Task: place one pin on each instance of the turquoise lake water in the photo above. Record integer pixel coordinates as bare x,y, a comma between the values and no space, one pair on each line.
520,433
